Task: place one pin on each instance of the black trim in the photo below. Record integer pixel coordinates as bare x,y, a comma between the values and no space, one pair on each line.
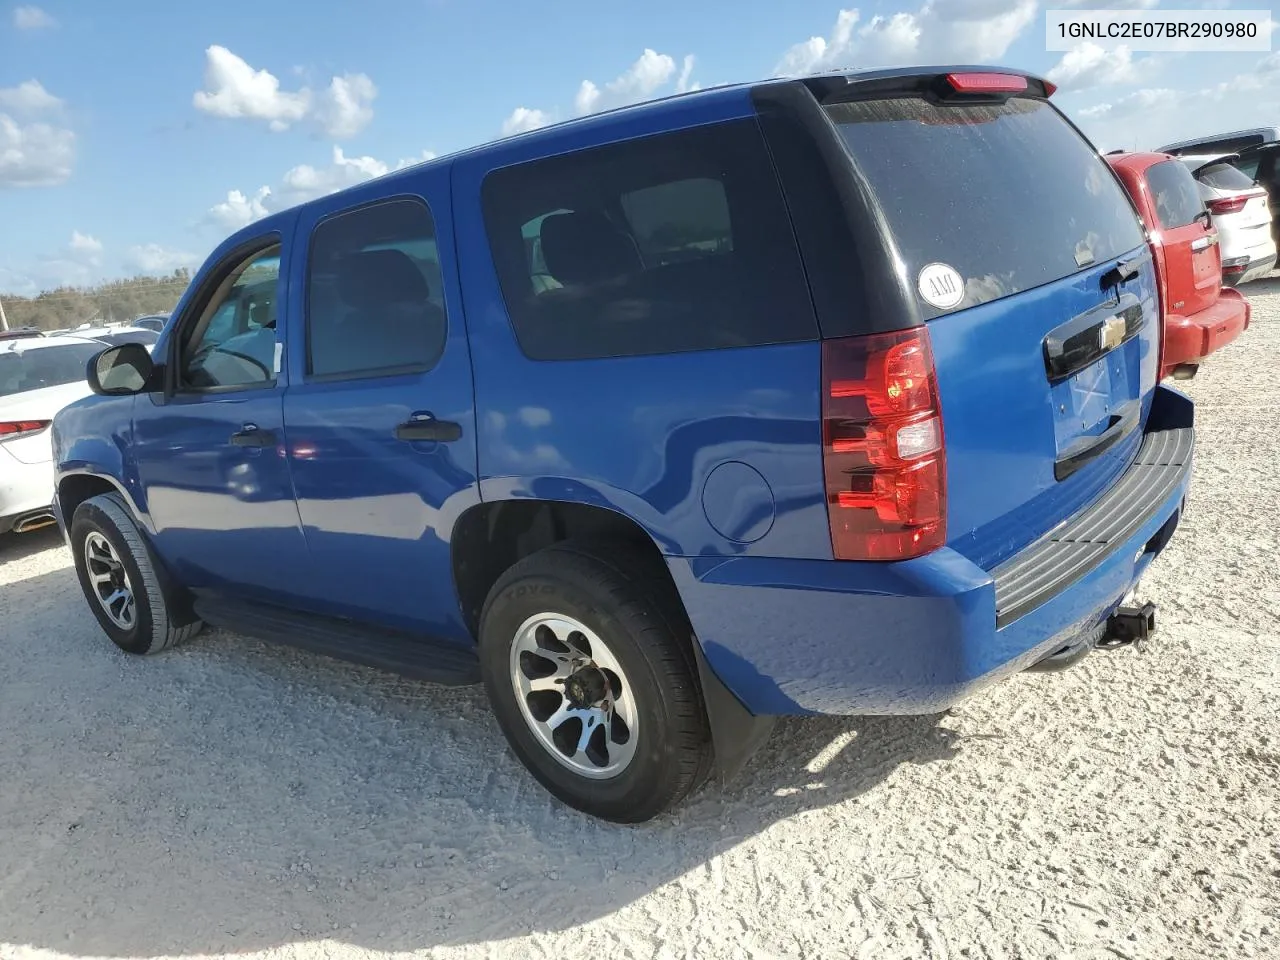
409,655
1066,554
844,237
872,84
1076,344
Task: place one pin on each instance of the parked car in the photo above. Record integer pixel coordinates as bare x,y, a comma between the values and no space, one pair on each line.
154,323
1223,143
20,333
119,335
38,377
766,431
1240,211
1261,164
1199,315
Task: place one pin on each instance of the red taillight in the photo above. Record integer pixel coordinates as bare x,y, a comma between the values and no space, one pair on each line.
987,82
1227,205
882,446
17,428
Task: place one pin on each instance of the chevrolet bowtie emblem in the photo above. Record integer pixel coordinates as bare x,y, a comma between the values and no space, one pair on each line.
1111,333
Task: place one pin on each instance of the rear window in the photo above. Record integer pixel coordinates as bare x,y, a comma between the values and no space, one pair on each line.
665,244
1007,195
1223,176
1177,199
49,366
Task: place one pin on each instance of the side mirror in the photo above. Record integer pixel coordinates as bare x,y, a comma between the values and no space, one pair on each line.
120,371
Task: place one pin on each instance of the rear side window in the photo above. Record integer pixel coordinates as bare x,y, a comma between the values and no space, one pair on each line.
375,294
665,244
1223,176
47,366
1008,195
1177,199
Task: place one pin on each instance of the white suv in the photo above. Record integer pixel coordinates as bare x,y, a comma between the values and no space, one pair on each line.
1239,209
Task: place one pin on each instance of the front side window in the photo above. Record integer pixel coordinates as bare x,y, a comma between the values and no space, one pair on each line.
234,342
664,244
375,292
1175,194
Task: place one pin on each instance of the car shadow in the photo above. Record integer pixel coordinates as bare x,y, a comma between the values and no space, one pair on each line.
19,546
232,796
1263,285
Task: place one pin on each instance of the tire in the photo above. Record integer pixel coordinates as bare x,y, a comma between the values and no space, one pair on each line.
161,613
669,752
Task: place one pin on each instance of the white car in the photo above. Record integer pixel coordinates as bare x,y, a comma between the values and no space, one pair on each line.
114,336
1241,214
38,377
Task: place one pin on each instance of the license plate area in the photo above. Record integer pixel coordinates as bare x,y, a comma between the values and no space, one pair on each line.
1094,399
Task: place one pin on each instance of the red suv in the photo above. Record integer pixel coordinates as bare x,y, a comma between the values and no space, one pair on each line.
1200,315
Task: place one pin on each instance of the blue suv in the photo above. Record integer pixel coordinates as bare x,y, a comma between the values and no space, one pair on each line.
823,396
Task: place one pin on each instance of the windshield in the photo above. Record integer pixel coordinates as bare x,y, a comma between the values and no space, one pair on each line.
48,366
1223,176
1007,195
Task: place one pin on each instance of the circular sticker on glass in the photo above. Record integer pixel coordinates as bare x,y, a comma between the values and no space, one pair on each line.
940,285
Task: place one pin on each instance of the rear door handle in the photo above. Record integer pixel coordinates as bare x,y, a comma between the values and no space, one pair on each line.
424,426
251,435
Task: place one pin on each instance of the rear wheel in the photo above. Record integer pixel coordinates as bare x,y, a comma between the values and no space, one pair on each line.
121,581
592,686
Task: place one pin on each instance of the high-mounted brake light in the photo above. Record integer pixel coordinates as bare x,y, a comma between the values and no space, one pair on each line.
882,446
11,430
987,82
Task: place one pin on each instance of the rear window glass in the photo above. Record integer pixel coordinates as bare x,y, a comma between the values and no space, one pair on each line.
1223,176
1173,189
49,366
1008,195
665,244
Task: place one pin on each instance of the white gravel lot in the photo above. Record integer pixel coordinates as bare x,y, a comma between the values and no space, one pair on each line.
236,798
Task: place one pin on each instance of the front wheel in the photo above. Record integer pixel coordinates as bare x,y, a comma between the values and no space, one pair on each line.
122,582
592,685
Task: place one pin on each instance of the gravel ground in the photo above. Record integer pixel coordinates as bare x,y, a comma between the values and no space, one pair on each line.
232,797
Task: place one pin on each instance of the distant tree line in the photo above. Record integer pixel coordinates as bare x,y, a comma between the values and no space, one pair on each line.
68,307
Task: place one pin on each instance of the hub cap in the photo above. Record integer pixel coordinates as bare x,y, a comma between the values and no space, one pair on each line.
574,696
109,581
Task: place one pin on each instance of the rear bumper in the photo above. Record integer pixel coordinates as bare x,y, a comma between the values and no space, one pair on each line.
1191,339
815,636
24,489
1257,267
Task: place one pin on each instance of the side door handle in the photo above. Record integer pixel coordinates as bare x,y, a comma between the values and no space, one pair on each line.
251,435
424,426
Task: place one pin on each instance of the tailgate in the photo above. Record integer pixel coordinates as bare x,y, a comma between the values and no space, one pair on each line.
1031,270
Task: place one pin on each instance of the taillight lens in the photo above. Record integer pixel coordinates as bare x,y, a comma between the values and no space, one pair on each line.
1227,205
18,428
882,446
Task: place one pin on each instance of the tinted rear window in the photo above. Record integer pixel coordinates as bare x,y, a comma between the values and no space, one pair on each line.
1177,199
1223,176
1009,195
664,244
49,366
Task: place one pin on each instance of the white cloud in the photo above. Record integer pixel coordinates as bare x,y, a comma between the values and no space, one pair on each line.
940,31
32,18
233,89
651,75
35,155
640,81
84,245
522,120
239,210
1090,65
301,183
346,107
154,259
28,97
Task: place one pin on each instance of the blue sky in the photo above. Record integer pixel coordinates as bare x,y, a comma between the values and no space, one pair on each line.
135,135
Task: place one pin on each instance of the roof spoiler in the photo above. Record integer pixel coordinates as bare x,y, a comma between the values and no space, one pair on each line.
946,82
